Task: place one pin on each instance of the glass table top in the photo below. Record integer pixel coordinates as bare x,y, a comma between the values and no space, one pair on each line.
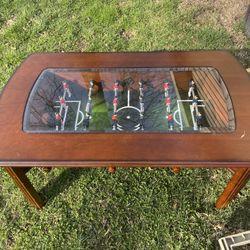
170,100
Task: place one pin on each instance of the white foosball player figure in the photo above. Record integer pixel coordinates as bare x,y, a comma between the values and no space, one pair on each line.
66,89
192,88
141,89
141,107
88,109
168,103
90,89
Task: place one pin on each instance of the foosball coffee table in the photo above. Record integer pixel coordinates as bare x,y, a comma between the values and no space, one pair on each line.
159,109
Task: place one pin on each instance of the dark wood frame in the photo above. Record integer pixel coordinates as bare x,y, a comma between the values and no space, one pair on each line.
19,150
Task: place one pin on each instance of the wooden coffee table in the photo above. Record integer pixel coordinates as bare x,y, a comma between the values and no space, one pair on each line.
159,109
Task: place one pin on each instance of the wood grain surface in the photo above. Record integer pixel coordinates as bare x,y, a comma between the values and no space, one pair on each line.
18,148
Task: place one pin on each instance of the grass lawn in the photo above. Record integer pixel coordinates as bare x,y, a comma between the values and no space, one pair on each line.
133,208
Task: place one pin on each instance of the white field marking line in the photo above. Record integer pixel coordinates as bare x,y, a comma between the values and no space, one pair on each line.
174,116
119,127
189,101
194,122
128,96
125,107
178,97
190,106
137,128
66,111
77,123
179,110
64,117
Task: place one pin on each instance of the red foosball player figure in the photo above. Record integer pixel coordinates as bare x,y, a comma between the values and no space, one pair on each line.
168,103
62,101
166,88
58,117
115,87
115,101
114,117
116,84
170,121
66,89
59,120
114,121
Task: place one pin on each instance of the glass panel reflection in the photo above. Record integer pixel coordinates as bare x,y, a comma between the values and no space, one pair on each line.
129,99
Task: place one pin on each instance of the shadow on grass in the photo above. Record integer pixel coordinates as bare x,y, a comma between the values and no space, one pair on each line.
59,184
62,182
240,219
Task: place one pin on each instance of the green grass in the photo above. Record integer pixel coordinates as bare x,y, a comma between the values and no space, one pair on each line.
133,208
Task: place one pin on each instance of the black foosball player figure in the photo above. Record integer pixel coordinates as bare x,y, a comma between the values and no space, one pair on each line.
195,103
191,88
141,121
170,121
86,123
199,119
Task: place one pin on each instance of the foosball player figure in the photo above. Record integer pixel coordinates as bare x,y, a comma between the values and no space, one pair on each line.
170,121
92,83
141,122
88,109
115,103
141,82
114,121
168,103
62,102
192,88
141,107
86,122
66,89
59,121
199,119
194,103
115,87
166,88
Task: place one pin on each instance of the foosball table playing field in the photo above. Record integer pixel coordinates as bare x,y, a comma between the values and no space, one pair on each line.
158,109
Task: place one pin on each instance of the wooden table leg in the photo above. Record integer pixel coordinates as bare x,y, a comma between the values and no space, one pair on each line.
22,181
237,182
111,169
175,169
46,169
